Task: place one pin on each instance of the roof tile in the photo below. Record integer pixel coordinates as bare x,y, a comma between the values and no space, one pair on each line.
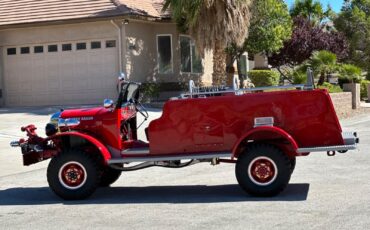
14,12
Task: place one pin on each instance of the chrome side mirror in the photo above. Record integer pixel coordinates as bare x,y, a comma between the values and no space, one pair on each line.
108,103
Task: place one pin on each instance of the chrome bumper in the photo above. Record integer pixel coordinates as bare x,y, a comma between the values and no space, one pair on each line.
350,143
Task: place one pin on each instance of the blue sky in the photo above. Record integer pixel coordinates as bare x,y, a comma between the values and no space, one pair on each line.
335,4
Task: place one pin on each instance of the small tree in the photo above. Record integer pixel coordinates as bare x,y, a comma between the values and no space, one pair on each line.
313,11
306,39
270,26
324,63
354,22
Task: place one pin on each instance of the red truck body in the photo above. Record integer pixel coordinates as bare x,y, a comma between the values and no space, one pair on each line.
219,123
261,132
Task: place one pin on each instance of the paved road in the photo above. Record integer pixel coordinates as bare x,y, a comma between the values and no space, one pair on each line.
324,192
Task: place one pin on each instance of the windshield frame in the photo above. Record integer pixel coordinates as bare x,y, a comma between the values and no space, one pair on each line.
125,92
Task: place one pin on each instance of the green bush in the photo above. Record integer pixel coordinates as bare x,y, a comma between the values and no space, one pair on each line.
150,91
363,90
261,78
331,88
299,78
351,72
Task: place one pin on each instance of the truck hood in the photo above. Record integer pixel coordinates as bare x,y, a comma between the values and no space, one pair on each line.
88,112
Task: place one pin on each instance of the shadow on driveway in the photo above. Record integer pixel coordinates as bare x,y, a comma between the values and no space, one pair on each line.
149,195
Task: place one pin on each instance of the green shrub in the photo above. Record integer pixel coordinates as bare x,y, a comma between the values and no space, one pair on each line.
331,88
261,78
150,91
351,72
363,90
299,78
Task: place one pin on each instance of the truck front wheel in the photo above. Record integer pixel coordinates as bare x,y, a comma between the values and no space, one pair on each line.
263,170
73,175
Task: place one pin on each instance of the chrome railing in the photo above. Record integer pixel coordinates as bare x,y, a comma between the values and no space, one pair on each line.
198,91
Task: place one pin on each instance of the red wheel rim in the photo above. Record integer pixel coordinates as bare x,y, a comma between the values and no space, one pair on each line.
262,171
72,175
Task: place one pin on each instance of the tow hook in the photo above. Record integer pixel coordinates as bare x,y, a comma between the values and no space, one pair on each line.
331,153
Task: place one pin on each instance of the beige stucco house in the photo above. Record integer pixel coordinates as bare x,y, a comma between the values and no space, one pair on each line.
55,52
58,52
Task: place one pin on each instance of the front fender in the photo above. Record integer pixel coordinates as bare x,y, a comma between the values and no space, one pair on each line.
264,133
100,146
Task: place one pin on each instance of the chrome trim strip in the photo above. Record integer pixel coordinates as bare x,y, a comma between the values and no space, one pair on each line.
171,158
327,148
135,151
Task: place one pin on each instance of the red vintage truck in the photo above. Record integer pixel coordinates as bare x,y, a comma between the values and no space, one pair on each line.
261,132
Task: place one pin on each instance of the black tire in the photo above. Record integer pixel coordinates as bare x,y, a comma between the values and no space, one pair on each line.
73,175
109,176
292,165
275,174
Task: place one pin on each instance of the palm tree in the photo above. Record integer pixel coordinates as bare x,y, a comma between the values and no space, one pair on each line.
323,62
213,24
310,9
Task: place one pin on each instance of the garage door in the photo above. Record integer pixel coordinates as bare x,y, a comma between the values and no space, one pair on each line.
66,73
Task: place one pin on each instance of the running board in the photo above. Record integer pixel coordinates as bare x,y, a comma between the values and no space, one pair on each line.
171,158
327,148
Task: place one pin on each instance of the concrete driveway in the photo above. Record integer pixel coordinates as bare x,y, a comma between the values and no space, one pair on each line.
324,192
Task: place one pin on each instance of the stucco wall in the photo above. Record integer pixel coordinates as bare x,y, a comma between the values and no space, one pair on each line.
342,103
141,54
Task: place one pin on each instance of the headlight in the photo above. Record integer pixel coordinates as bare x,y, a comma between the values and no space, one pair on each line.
68,122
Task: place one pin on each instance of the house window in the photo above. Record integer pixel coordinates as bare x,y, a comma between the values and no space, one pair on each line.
191,62
164,47
25,50
81,46
110,44
95,45
66,47
52,48
38,49
12,51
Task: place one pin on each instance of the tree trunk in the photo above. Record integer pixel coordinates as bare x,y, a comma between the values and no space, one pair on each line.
219,65
322,78
242,77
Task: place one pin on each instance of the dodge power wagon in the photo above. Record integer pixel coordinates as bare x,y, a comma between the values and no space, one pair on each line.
261,132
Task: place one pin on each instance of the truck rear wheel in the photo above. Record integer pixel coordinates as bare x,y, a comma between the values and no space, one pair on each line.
263,170
73,175
109,176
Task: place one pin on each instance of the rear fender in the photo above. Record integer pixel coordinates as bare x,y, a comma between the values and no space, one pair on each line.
267,134
101,147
